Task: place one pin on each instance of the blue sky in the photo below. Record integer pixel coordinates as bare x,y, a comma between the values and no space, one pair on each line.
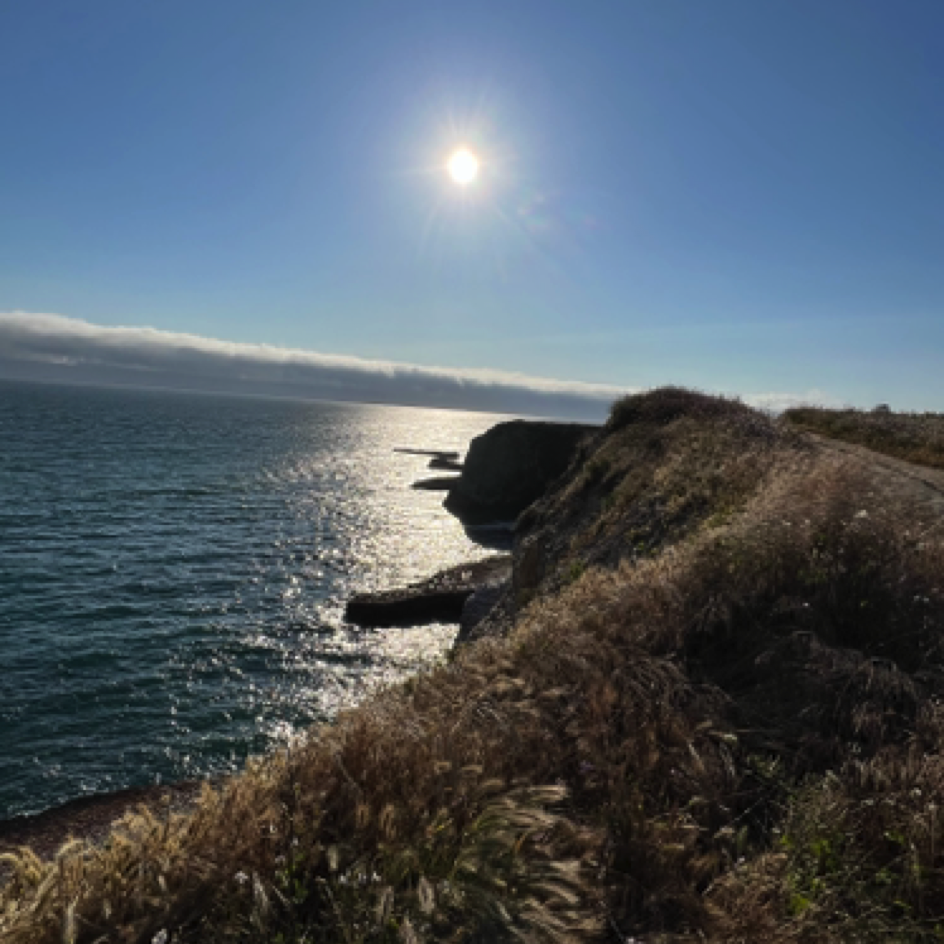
739,196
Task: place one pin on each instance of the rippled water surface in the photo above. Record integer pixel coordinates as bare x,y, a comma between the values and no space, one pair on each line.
173,571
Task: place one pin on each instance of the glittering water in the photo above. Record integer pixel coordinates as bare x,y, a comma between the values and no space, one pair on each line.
173,571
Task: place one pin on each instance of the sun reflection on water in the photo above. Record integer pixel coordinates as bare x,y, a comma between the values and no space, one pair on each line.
188,610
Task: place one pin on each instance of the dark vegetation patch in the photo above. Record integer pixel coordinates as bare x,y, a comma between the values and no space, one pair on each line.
734,736
667,404
914,437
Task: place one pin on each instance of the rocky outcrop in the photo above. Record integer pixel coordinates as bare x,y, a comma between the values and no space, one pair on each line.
506,469
443,454
442,483
451,465
441,598
511,466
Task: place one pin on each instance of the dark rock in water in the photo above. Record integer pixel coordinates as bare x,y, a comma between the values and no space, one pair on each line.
437,453
441,598
441,484
511,466
407,607
498,536
440,462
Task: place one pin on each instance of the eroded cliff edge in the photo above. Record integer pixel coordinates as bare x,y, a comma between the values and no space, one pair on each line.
507,468
512,465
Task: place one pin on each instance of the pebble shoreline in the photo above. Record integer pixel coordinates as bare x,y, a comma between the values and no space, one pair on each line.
91,818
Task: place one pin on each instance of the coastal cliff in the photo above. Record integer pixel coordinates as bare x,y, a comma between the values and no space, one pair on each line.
710,711
506,470
510,466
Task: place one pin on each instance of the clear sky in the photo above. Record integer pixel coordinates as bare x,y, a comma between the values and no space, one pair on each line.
738,195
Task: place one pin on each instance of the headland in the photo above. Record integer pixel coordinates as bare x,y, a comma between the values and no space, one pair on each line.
704,707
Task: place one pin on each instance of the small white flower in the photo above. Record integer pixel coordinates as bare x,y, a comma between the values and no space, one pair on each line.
160,937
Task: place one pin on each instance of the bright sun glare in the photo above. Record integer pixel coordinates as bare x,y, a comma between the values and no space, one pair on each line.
463,167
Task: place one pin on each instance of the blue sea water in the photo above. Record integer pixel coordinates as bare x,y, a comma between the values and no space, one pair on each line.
173,572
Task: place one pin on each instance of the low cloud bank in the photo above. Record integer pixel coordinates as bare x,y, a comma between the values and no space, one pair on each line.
57,348
778,402
53,347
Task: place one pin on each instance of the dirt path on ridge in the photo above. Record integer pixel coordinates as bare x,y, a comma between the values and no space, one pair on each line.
918,485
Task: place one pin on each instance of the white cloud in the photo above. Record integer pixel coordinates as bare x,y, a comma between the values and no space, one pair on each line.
124,354
778,402
47,346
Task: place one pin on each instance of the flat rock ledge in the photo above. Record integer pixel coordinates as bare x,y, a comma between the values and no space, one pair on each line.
443,454
439,599
451,465
441,483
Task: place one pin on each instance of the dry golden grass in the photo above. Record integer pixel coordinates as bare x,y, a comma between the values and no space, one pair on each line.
672,462
914,437
735,736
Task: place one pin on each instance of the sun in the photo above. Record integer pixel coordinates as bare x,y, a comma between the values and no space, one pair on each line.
463,167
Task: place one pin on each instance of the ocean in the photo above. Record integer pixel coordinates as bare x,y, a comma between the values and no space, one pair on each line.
173,573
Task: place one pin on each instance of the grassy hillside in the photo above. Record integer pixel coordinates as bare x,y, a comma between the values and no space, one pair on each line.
717,717
914,437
